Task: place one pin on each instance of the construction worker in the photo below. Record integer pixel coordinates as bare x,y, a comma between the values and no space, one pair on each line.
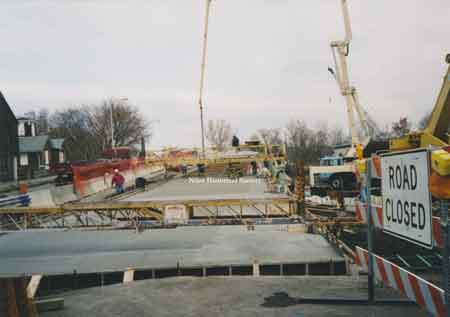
254,168
184,169
235,142
117,181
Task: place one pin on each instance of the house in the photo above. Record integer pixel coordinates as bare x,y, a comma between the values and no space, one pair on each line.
9,145
38,153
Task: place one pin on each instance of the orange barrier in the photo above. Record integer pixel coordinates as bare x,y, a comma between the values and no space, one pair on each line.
93,178
23,188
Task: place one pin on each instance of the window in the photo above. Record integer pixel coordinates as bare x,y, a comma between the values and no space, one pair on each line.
24,159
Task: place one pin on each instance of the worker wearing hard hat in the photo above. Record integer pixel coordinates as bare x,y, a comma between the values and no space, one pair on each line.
117,181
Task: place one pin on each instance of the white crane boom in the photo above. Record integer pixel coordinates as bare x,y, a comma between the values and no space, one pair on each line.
202,72
341,49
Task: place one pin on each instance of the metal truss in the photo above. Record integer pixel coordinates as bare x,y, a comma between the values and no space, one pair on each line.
114,214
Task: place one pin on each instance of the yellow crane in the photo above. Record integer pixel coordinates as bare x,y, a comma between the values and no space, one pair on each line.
436,131
435,135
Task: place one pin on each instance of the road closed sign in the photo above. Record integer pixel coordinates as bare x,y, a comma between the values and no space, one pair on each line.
406,197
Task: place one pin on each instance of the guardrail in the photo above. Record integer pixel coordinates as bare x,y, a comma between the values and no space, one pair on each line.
22,200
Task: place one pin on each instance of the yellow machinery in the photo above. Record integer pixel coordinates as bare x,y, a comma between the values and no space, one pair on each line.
435,136
243,154
436,132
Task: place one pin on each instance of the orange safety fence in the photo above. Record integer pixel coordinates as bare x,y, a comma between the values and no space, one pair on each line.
85,174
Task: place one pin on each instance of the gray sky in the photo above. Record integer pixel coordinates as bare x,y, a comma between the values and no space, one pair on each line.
267,59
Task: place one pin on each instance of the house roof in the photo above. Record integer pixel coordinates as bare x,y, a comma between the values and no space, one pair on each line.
5,104
56,144
30,144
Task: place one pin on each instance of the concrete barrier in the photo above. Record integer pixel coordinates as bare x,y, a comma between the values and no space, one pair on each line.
101,184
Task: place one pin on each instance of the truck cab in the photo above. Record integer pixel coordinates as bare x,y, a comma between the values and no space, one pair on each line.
333,172
331,161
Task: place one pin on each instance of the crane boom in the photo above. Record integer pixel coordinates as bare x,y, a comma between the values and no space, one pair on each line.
202,73
438,123
341,49
436,131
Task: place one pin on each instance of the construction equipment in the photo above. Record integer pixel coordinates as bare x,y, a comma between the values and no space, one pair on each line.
340,50
202,72
113,214
246,153
337,172
435,137
333,172
437,130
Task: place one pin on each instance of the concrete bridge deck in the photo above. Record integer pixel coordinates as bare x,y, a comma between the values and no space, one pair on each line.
52,252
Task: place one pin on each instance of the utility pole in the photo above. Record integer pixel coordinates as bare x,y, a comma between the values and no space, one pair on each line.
112,125
445,254
202,73
370,238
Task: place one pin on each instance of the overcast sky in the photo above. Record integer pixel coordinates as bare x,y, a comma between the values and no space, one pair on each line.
267,59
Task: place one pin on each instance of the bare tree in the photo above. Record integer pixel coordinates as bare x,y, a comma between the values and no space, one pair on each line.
218,133
338,137
306,144
129,125
423,122
87,129
401,127
73,124
41,119
270,136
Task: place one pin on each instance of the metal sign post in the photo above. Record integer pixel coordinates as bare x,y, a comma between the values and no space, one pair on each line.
370,277
445,254
300,188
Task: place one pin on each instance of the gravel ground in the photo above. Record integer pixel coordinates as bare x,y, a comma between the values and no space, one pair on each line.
225,296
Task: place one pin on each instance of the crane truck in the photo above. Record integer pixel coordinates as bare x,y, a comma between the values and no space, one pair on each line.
337,172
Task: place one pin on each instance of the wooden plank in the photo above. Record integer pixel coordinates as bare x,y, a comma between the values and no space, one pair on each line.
128,276
33,285
13,310
27,306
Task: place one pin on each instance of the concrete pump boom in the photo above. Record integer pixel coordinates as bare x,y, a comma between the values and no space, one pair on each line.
202,73
340,51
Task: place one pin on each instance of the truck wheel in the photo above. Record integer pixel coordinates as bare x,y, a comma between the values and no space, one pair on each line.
337,183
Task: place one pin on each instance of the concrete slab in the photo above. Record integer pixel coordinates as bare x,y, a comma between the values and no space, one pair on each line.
215,188
228,296
52,252
208,188
41,198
